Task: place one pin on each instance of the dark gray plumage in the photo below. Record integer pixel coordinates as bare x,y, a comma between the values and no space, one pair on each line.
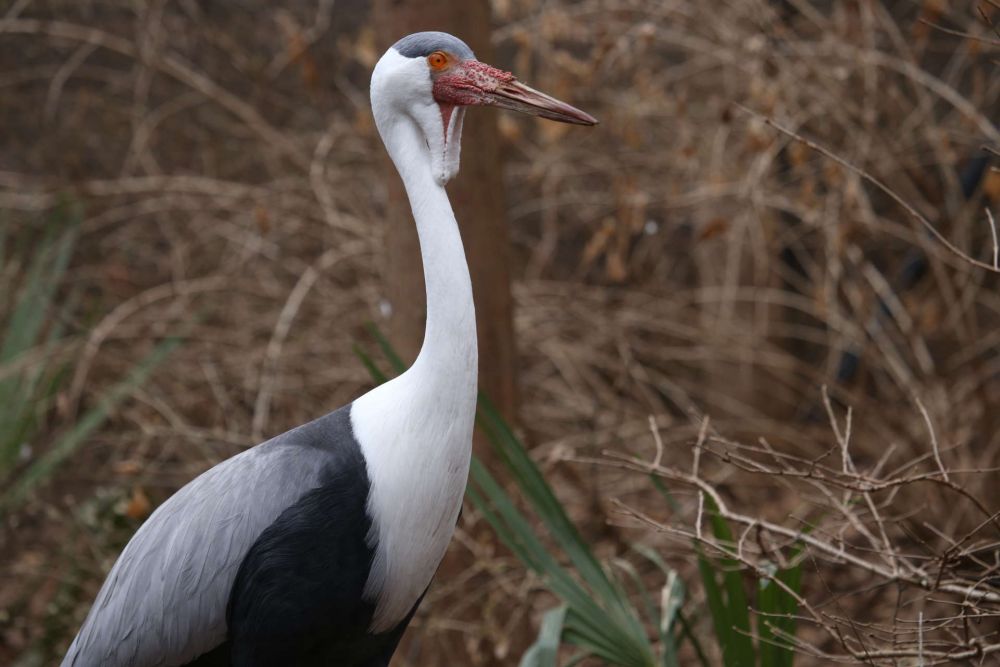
422,44
284,506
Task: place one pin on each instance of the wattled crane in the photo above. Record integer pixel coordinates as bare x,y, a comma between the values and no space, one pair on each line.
316,547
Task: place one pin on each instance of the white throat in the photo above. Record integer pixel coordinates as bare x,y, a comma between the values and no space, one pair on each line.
416,430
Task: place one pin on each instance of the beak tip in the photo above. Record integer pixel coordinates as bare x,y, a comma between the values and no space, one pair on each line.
585,119
575,116
579,117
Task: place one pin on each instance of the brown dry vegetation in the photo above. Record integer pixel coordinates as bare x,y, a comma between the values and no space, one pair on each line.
686,259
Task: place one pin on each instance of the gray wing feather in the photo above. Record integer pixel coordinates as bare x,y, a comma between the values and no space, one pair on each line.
164,601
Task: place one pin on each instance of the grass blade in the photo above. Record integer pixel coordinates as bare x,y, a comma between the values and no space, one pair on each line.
716,607
44,275
370,365
545,651
768,607
395,361
21,404
728,603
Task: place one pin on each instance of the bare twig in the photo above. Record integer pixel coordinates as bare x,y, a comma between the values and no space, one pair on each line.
654,429
959,33
993,231
934,440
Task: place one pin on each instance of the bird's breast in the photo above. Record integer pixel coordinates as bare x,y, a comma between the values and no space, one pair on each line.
417,447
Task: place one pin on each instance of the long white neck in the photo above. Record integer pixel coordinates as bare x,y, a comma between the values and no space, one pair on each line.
449,351
416,431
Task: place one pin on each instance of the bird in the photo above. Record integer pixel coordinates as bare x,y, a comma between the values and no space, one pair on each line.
317,546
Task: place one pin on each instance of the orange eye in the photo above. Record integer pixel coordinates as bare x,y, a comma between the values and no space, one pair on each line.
437,60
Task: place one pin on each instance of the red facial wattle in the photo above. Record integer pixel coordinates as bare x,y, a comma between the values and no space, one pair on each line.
446,111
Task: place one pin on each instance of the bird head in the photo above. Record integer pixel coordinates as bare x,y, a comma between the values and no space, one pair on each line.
424,82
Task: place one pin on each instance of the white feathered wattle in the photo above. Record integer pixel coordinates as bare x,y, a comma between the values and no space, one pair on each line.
416,430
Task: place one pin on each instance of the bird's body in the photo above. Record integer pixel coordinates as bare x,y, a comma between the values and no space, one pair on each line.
315,547
293,513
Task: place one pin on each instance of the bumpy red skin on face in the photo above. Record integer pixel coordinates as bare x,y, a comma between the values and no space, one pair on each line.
465,84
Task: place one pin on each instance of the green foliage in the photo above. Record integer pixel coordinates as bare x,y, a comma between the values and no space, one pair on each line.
776,617
27,392
609,616
31,371
545,651
601,618
727,603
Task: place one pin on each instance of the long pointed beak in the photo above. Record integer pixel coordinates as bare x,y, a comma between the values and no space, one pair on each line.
518,97
476,83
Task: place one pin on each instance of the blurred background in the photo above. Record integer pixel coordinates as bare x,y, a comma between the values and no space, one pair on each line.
763,392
